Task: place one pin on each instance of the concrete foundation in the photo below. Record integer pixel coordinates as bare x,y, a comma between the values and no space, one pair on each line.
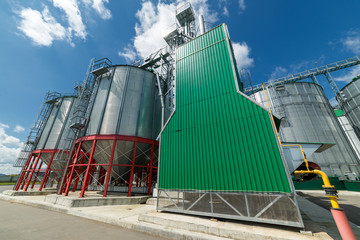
92,201
29,193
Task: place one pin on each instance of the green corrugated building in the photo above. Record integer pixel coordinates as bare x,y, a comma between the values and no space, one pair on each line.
219,155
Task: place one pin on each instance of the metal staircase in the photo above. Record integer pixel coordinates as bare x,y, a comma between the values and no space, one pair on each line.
37,128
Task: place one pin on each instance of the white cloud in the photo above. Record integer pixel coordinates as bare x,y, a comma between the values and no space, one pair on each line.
242,52
4,125
41,28
225,11
349,75
99,7
8,169
154,19
10,148
128,53
279,72
242,5
73,14
18,129
352,41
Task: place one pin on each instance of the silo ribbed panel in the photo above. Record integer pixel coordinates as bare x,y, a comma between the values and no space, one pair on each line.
217,139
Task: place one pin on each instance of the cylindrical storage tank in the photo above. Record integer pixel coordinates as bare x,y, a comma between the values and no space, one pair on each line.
56,129
349,131
350,103
120,135
307,116
47,161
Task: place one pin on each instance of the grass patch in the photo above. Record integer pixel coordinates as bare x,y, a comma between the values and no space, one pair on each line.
7,183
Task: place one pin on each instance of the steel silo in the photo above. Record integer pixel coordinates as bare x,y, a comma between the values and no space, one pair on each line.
308,117
48,142
350,103
124,119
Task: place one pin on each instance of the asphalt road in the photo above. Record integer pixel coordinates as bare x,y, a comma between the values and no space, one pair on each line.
19,221
349,201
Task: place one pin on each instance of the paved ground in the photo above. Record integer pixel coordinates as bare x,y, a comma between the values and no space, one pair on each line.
349,201
17,221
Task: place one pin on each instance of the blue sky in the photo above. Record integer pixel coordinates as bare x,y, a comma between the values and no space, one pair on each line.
47,44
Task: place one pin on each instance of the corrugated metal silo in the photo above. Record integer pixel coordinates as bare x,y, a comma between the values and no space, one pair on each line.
48,142
120,134
350,98
307,116
349,130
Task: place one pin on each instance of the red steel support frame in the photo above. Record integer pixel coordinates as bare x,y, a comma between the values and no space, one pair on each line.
47,172
36,175
86,178
32,172
109,170
72,170
28,171
106,168
132,169
23,172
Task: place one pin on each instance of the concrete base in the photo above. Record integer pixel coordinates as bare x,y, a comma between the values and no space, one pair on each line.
29,193
225,229
71,201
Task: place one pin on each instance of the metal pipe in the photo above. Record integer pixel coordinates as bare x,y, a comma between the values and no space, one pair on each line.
201,24
161,100
339,216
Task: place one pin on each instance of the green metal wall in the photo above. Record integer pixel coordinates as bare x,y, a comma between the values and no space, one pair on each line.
217,139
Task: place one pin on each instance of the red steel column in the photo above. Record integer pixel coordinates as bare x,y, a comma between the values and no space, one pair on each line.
109,169
28,171
151,169
78,173
36,175
47,172
132,169
86,178
32,172
23,172
69,179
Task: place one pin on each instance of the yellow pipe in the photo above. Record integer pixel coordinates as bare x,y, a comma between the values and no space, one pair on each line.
333,199
277,133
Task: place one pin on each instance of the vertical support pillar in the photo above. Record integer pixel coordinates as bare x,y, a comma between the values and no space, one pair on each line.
32,172
132,169
28,171
69,179
86,177
23,172
36,175
47,172
151,169
78,173
109,169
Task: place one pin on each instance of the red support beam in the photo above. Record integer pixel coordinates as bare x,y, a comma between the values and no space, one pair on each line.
132,169
151,169
109,169
47,172
69,179
32,172
86,177
23,172
36,175
28,172
78,173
